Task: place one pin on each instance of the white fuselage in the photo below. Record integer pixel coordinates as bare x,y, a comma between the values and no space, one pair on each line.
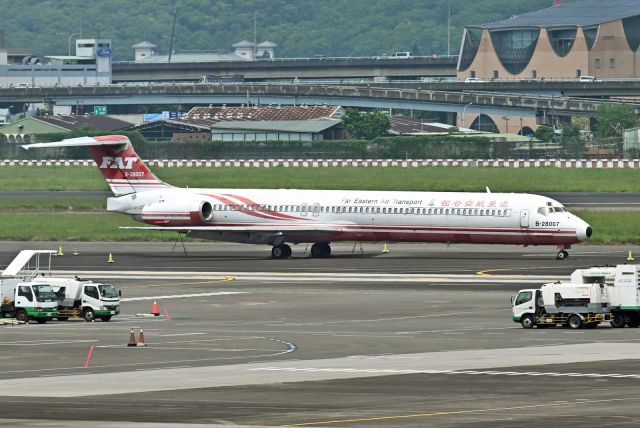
462,217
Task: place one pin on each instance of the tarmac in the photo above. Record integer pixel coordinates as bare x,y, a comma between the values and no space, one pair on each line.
421,336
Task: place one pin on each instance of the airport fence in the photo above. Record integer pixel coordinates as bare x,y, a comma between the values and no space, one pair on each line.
395,148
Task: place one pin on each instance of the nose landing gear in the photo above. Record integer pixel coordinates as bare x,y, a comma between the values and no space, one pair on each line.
562,253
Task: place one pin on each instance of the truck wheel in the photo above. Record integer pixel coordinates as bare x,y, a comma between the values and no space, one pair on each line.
21,315
41,320
88,315
527,321
617,320
574,322
105,318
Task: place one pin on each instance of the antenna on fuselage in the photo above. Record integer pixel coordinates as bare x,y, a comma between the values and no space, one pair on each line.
488,190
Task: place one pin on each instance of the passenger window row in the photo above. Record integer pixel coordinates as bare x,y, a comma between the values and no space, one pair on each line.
365,210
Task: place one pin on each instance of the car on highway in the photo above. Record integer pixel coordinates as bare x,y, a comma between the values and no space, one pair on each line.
473,80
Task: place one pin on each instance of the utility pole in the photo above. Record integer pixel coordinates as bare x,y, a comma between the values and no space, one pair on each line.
255,34
449,33
173,32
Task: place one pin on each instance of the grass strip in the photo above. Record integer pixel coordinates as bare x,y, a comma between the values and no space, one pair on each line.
377,178
71,203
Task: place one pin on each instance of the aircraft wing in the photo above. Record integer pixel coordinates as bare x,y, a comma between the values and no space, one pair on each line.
266,228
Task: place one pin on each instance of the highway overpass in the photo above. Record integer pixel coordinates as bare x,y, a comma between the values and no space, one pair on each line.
368,68
367,96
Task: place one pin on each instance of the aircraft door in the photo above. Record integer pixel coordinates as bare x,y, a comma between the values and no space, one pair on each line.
524,218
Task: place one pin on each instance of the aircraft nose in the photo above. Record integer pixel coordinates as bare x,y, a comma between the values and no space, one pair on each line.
584,231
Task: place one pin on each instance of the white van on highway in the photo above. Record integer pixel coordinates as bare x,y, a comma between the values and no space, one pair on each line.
402,55
587,79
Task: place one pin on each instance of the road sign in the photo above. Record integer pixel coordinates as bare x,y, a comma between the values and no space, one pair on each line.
99,110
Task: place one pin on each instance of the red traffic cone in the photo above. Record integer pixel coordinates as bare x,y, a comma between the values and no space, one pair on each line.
154,309
141,341
132,339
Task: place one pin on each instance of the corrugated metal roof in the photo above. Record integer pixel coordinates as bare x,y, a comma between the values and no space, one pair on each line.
210,115
315,125
584,13
144,44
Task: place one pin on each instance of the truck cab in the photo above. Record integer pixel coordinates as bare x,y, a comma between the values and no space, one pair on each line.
525,307
27,300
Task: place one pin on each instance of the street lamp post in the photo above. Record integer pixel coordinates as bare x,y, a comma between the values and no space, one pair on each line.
70,36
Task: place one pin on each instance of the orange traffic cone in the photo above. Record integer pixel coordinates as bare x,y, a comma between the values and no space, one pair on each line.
141,341
154,309
132,339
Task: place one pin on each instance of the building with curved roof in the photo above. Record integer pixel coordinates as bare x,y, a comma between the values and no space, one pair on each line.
586,37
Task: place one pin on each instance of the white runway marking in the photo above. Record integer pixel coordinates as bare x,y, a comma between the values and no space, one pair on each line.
463,362
183,296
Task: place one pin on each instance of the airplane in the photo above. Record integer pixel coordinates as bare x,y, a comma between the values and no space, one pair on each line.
280,217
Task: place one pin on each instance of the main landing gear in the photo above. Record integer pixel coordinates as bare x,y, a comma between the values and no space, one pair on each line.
318,250
282,251
562,253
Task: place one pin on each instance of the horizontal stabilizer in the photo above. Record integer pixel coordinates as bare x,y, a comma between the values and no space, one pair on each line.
116,140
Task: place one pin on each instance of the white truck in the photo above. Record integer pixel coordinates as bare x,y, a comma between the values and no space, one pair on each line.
561,303
20,297
83,298
623,282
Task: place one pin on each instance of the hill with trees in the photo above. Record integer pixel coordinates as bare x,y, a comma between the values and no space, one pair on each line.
301,28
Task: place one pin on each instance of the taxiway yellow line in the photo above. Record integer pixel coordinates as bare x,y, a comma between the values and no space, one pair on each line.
463,412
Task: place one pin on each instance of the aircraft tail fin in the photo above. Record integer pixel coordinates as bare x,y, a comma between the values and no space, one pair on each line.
119,164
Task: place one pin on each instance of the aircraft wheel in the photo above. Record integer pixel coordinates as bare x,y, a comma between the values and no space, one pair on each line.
280,251
316,250
562,255
326,250
320,249
287,250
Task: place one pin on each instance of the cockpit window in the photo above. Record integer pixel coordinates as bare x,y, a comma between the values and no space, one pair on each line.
549,209
544,210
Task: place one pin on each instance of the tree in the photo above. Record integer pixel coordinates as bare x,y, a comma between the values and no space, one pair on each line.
613,119
366,126
572,144
544,133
